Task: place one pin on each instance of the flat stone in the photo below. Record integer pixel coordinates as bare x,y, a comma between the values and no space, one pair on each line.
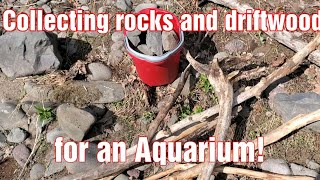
11,116
90,163
311,164
17,135
54,133
145,50
154,42
30,53
302,171
99,72
145,6
135,40
278,166
235,45
221,56
20,154
3,139
121,177
170,40
290,106
133,33
37,171
117,36
73,121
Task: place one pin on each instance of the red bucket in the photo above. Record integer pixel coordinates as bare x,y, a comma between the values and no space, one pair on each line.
158,70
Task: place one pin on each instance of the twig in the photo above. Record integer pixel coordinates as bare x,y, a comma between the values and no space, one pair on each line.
257,174
284,70
178,167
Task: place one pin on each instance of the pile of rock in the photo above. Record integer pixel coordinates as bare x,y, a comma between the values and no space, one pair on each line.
153,43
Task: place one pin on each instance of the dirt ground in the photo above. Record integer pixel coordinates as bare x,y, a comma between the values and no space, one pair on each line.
141,103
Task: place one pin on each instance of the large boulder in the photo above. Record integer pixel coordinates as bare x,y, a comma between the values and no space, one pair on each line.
28,53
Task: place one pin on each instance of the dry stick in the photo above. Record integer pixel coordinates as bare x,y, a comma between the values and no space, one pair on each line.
154,125
284,70
257,174
289,39
224,90
290,126
105,170
178,167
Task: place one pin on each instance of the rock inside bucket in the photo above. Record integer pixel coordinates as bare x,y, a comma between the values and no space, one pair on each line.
153,43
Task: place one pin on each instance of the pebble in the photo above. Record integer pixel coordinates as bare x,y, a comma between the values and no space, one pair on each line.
20,154
143,48
99,72
145,6
311,164
115,57
85,8
24,1
302,171
117,46
54,167
235,45
73,121
102,9
11,1
133,173
90,163
117,36
54,133
46,9
124,5
3,142
16,135
83,1
154,42
221,56
170,40
118,127
37,171
122,177
278,166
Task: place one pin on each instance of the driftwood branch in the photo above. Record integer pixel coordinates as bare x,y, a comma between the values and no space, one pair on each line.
178,167
286,38
284,70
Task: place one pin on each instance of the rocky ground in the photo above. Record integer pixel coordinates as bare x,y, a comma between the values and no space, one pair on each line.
83,86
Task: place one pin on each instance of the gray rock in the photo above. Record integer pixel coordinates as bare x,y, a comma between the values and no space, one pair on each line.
99,72
135,40
46,9
122,177
133,33
290,106
124,5
17,135
118,127
221,56
117,46
73,121
145,6
29,107
11,116
24,1
154,42
110,91
102,9
115,57
170,40
85,8
54,133
133,173
37,171
54,167
117,36
278,166
311,164
30,53
90,163
302,171
145,50
235,45
3,142
20,154
92,34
